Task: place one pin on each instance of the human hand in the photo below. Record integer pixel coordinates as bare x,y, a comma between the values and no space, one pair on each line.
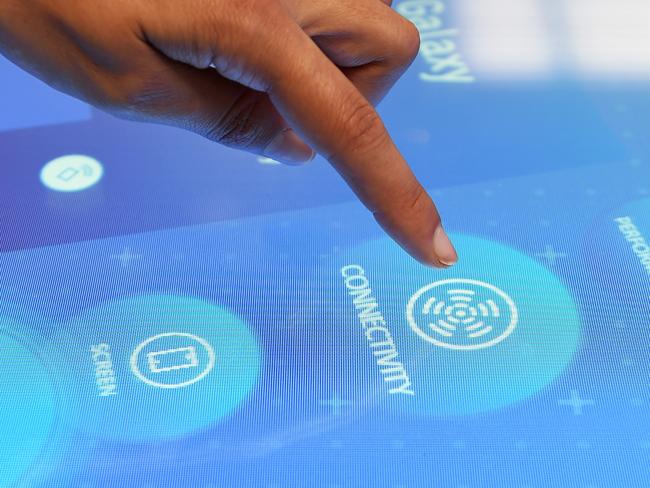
274,77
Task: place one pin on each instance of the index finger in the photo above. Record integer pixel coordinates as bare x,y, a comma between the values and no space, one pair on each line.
327,110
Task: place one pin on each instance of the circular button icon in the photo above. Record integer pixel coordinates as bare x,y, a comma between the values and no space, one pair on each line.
172,360
159,366
71,173
493,330
462,314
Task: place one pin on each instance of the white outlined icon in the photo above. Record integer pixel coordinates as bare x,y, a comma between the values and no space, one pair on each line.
194,357
172,359
71,173
462,314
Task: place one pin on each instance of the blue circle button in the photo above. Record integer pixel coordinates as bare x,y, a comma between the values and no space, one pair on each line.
157,367
491,331
27,406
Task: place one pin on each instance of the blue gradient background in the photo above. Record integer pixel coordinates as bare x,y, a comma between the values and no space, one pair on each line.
28,102
537,168
452,382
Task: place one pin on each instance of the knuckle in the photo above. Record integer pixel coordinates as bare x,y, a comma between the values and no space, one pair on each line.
408,42
142,93
414,204
239,126
364,128
250,32
133,94
108,100
409,202
415,197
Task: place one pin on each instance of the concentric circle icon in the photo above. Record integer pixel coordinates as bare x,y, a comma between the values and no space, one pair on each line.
491,331
462,314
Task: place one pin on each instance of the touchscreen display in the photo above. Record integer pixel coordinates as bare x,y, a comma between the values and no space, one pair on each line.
175,313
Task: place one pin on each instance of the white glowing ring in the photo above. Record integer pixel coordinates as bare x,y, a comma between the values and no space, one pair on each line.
514,315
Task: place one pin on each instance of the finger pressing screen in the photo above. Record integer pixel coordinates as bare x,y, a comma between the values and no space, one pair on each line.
325,108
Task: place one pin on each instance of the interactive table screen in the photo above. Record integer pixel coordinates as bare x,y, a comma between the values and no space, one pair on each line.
177,314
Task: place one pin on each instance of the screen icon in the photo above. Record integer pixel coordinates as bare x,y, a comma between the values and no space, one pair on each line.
172,360
71,173
462,314
182,363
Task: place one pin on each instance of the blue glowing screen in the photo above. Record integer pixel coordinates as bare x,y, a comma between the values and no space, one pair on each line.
174,313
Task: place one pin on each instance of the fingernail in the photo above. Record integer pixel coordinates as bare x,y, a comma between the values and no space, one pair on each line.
288,148
443,247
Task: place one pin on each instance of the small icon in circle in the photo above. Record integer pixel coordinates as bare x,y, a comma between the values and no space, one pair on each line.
462,314
172,360
71,173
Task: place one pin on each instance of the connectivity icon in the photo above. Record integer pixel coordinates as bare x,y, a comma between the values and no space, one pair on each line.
462,314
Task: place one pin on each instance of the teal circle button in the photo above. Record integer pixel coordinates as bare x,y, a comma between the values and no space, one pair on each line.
157,367
489,332
27,406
